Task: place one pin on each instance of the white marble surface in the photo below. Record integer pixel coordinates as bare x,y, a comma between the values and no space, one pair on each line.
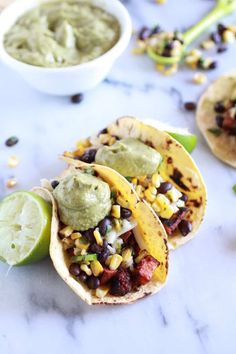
195,313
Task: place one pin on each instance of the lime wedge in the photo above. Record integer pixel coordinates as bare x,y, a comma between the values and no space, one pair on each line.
25,227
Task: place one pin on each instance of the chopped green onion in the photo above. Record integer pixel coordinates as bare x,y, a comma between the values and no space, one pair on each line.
84,258
234,189
214,131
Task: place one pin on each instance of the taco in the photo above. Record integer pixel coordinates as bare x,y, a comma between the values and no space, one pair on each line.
106,243
158,168
216,118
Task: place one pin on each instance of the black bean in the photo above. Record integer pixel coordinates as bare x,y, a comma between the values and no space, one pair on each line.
190,106
144,33
222,48
166,53
103,225
219,107
125,213
105,244
88,234
156,29
54,184
164,187
74,269
95,248
13,140
77,98
83,277
221,28
103,131
219,120
184,197
200,63
185,227
93,282
88,156
169,45
213,65
102,257
215,36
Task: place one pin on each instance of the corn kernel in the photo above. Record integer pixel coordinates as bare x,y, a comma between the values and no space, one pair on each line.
126,254
208,44
156,180
149,196
232,29
102,291
68,154
66,231
172,69
13,161
83,252
111,141
167,212
199,78
142,254
98,237
139,191
142,179
134,181
104,138
115,261
162,201
156,207
85,268
83,143
161,2
117,225
82,244
11,182
173,194
108,260
152,190
75,235
228,36
96,268
67,243
115,211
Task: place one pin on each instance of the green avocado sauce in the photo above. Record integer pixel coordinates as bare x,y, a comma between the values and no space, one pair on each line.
83,200
130,157
62,33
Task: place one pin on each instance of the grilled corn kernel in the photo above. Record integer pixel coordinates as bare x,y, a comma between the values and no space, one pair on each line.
126,254
85,268
11,182
199,78
75,235
156,180
115,211
134,181
66,231
13,161
96,268
156,207
68,154
117,224
115,261
162,201
81,244
149,196
98,237
102,291
174,194
228,36
208,44
142,254
139,191
167,212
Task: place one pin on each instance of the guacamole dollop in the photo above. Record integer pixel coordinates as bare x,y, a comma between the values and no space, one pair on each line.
83,200
62,33
130,157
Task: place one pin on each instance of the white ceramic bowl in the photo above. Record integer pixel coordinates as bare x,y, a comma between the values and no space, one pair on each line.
73,79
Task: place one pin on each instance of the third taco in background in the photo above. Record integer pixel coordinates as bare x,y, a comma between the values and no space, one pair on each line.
159,169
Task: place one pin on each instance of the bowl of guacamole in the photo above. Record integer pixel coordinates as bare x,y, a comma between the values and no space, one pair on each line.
63,47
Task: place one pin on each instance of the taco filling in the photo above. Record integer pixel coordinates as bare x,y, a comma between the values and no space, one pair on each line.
140,163
225,117
97,232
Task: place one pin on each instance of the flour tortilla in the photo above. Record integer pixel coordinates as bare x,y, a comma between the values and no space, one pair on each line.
149,234
223,146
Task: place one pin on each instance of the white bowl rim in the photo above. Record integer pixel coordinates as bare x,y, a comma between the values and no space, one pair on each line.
117,49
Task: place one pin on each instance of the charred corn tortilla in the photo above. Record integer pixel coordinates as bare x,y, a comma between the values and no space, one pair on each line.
149,234
176,162
224,145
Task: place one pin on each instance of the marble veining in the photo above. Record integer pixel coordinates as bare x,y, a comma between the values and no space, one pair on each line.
195,312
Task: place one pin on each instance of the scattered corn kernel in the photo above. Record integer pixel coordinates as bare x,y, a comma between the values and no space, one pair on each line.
208,44
228,36
156,180
82,244
156,207
152,190
161,2
139,191
115,261
96,268
108,260
11,182
115,211
111,141
117,225
199,78
85,268
232,29
171,69
126,254
83,143
75,235
67,243
102,291
66,231
83,252
98,237
174,194
150,197
134,181
68,154
142,254
13,161
162,201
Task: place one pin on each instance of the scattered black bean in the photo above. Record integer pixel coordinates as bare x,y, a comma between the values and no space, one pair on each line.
93,282
13,140
103,225
125,213
215,36
95,248
54,184
144,33
88,234
77,98
103,131
219,120
88,156
221,28
83,277
164,187
213,65
166,53
156,29
185,227
184,197
222,48
190,106
105,244
74,269
102,257
169,45
219,107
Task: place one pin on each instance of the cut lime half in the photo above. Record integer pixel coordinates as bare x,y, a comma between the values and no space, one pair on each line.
25,228
182,135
